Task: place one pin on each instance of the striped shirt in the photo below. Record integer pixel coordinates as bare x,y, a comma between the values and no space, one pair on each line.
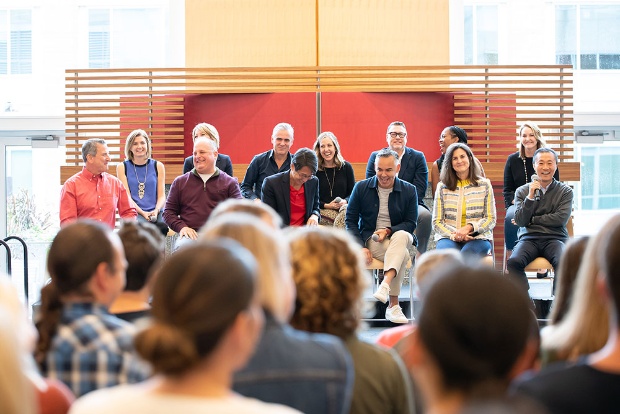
479,205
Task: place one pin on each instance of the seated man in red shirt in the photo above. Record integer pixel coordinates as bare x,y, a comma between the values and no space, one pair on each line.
93,193
294,194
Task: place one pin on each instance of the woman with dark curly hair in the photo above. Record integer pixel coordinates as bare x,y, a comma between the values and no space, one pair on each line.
329,275
204,328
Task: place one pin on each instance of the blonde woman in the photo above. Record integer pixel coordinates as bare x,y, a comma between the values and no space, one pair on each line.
223,162
16,392
336,180
22,388
585,327
144,179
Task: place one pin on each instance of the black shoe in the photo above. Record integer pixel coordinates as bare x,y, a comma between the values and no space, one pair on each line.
542,275
380,275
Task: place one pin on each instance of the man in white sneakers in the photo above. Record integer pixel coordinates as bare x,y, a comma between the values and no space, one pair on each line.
382,215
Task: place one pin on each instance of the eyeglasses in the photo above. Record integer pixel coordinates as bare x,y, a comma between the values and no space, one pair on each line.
304,176
397,134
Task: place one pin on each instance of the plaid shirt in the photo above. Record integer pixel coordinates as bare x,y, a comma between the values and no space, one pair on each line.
93,349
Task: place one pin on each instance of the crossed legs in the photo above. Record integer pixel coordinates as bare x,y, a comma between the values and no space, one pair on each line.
394,253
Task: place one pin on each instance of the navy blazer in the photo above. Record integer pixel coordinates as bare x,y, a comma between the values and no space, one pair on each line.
413,169
363,209
276,193
222,162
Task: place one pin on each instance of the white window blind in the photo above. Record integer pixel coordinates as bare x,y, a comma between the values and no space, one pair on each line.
15,42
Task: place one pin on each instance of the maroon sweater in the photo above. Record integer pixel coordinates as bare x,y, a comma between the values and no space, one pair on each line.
190,201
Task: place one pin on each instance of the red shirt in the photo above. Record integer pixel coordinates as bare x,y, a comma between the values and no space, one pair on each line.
298,206
86,195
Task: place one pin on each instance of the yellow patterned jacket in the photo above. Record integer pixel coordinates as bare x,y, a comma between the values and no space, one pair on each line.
479,209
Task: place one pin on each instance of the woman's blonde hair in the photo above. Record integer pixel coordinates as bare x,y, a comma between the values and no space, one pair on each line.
329,274
338,159
209,130
132,137
275,285
16,391
585,327
540,141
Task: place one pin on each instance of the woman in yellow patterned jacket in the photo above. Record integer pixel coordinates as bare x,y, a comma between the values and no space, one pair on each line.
464,210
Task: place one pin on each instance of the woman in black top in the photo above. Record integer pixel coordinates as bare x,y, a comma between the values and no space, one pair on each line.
336,180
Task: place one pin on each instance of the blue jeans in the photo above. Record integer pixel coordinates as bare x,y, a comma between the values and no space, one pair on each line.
476,247
510,229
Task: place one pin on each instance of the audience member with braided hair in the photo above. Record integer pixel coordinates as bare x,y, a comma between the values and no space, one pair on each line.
204,327
309,372
80,342
329,275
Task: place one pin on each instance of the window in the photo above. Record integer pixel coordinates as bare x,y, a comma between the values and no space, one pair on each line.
480,40
600,174
15,42
588,36
127,38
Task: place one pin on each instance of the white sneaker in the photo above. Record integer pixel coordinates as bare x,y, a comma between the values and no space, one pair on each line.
395,314
382,293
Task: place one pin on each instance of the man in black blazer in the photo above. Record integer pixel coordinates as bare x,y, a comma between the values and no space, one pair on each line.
414,170
294,194
223,162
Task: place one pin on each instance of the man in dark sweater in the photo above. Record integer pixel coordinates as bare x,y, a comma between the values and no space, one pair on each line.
542,209
591,384
194,195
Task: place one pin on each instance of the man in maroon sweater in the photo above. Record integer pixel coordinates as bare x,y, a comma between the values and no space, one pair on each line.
194,195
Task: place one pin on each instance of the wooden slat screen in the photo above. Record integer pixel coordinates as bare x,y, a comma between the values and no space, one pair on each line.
490,102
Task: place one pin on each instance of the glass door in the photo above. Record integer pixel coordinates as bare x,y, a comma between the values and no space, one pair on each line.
30,190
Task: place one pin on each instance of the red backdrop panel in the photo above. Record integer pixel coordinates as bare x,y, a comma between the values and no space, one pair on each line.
360,120
245,121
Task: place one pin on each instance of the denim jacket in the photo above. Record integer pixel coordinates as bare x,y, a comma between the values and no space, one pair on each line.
312,373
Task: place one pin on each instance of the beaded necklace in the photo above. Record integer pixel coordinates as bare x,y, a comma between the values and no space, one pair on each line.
525,170
141,186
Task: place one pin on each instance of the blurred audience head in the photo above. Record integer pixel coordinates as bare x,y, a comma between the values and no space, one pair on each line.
86,263
585,326
260,210
144,250
329,276
17,335
566,276
276,287
204,307
472,331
